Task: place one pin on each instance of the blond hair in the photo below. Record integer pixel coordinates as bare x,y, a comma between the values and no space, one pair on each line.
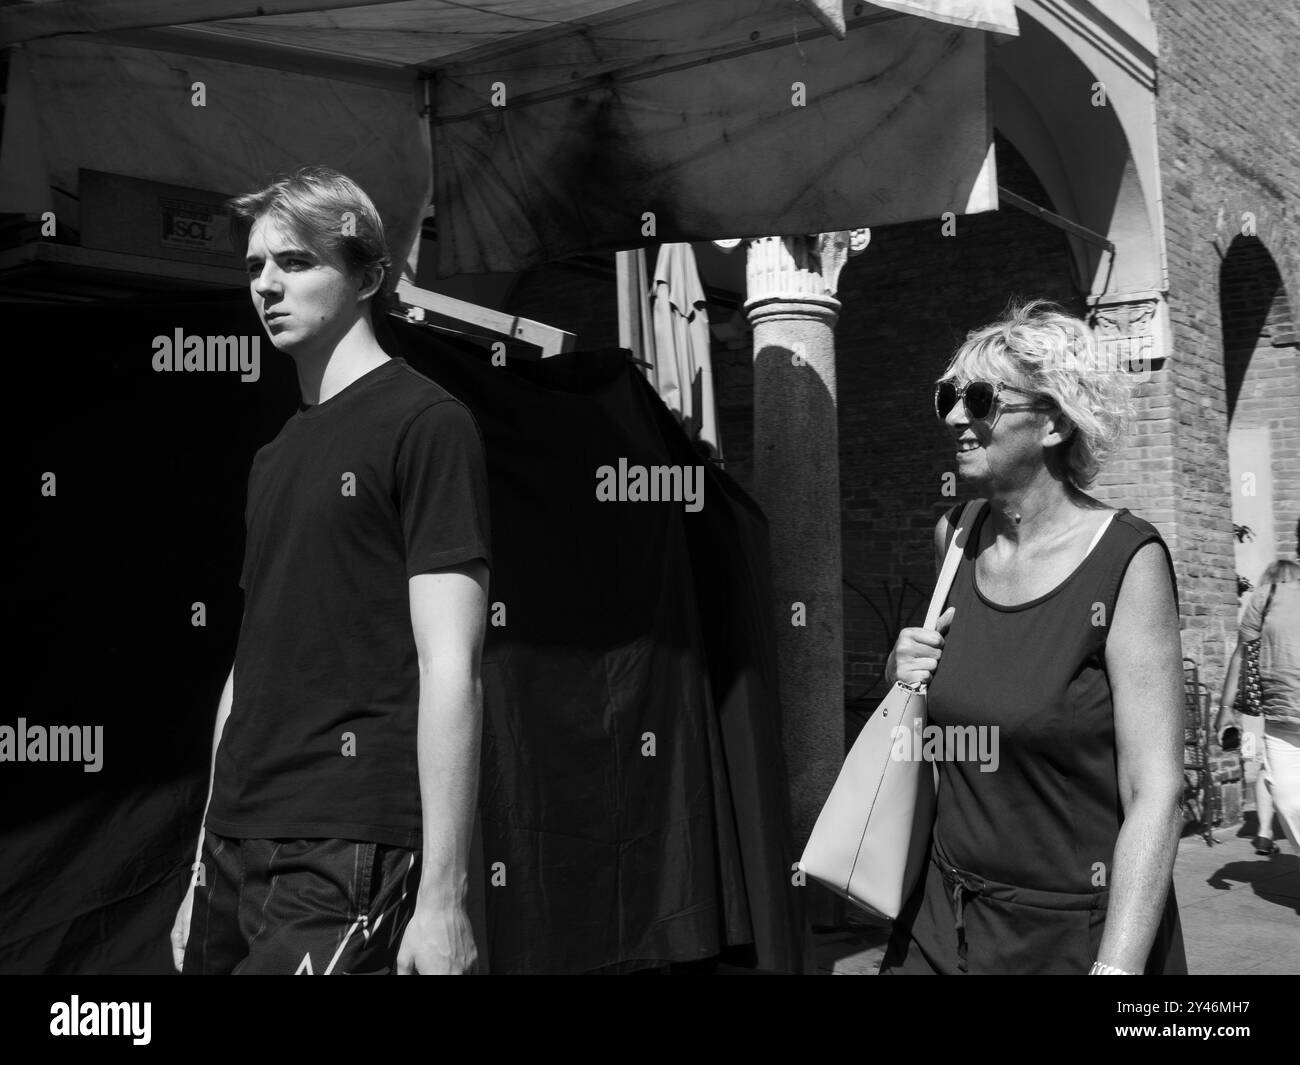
1053,354
329,211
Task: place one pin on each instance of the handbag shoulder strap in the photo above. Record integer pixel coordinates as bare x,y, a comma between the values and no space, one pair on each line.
956,547
1267,603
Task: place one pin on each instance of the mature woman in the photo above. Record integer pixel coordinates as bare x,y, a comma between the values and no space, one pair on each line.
1061,634
1272,616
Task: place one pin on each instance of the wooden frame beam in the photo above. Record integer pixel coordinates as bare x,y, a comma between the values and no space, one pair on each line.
551,340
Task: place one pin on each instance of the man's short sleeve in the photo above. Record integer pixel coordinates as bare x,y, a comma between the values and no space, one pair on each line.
1252,619
442,493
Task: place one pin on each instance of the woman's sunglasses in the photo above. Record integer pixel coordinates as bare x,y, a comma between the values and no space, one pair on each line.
980,398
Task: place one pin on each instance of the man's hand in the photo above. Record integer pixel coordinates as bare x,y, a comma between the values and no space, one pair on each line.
438,941
181,928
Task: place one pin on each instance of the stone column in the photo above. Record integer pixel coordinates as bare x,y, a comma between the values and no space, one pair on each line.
793,310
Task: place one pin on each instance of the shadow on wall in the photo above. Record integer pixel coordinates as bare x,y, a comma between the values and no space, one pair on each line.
1252,302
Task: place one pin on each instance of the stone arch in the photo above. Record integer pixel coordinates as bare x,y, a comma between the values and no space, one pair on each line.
1078,104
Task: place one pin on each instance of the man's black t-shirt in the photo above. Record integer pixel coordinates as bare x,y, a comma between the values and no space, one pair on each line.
381,482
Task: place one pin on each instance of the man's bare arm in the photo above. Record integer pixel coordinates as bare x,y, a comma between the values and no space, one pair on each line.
223,715
181,926
448,616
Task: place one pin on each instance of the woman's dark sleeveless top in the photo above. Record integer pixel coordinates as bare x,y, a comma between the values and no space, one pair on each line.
1022,852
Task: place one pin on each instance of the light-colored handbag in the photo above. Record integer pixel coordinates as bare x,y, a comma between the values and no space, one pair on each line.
873,834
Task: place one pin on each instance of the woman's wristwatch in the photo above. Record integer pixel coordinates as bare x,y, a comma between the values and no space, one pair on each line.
1100,969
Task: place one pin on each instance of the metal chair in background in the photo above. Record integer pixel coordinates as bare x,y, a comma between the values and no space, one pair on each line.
1200,797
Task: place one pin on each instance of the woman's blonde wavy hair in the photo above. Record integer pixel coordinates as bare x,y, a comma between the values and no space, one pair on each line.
1041,347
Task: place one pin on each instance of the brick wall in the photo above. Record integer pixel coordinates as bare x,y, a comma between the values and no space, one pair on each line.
1228,147
733,389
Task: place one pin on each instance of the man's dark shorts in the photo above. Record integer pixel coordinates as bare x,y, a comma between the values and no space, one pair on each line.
300,906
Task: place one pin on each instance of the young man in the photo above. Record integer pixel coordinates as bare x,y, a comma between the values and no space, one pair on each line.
346,747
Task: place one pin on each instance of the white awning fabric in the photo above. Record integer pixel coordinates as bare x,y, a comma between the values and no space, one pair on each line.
682,362
556,124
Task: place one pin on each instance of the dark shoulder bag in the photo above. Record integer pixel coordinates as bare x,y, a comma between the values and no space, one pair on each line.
1250,690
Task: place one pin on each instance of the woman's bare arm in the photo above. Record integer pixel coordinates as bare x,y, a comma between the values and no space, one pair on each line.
1144,660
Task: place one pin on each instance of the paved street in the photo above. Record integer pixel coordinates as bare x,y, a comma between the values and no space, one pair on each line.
1240,912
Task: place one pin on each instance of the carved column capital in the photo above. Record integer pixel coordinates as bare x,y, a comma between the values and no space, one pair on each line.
784,272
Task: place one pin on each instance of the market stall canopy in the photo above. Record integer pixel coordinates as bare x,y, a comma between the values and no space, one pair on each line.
546,127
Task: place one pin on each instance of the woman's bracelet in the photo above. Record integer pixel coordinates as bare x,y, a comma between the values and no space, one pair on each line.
1099,969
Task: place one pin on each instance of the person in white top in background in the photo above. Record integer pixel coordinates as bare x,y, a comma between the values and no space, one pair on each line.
1279,674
